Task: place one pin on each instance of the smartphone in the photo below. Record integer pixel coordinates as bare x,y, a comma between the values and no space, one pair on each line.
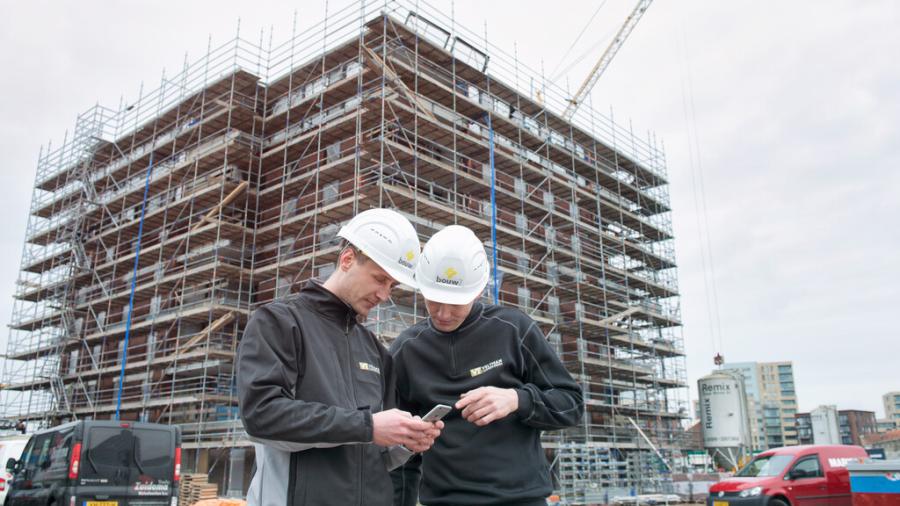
436,413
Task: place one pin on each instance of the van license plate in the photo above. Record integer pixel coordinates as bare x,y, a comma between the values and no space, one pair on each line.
715,503
116,503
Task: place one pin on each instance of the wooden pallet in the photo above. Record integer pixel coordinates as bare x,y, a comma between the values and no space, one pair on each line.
196,487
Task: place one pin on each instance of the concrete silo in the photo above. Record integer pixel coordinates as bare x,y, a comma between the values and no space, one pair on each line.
724,417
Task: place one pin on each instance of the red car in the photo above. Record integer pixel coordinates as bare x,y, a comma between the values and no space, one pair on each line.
814,475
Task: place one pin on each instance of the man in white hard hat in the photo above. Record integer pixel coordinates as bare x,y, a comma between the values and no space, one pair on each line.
494,365
317,389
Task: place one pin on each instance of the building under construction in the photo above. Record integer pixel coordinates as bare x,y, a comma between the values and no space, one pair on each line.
157,227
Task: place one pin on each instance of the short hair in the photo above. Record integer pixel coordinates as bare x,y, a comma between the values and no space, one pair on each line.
361,257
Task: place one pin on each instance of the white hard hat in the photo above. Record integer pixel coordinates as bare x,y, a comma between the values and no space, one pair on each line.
389,239
454,267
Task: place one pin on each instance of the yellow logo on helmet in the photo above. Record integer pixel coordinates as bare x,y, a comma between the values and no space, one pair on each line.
407,260
450,273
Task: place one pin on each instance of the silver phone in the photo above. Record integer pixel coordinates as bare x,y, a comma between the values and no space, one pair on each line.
437,412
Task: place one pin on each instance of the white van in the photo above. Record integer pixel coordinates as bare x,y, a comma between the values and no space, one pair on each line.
10,448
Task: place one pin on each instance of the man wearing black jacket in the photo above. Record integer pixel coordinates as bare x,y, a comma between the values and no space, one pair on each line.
494,365
317,389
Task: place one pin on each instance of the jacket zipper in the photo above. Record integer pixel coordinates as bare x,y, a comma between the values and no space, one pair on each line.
292,479
453,355
350,363
362,448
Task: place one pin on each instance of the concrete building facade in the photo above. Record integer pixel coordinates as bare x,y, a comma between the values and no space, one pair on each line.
852,426
891,401
885,425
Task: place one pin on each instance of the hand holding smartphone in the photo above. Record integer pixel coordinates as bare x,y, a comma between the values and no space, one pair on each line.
435,414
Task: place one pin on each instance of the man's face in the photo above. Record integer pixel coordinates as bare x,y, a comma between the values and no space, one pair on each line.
367,284
447,317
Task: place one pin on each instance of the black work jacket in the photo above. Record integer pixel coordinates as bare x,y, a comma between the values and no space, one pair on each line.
500,463
309,378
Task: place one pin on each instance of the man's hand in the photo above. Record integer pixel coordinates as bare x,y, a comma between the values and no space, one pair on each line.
395,427
431,435
487,404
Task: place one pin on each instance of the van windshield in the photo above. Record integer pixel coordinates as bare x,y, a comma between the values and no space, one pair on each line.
770,465
125,456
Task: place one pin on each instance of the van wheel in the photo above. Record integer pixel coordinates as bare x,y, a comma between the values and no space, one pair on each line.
778,502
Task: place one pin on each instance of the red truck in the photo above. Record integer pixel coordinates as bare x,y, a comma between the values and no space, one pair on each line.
813,475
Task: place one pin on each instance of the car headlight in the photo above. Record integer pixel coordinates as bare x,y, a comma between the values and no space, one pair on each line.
751,492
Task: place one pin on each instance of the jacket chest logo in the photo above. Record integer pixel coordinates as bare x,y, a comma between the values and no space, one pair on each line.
486,367
369,367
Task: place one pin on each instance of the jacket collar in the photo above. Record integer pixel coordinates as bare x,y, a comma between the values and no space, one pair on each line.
474,316
327,303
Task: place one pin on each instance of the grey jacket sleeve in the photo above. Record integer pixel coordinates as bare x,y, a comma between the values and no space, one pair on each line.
268,362
550,398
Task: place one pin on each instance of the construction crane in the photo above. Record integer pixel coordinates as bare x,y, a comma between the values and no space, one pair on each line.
607,57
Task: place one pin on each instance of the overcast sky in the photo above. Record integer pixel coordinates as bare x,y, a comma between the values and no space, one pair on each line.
784,113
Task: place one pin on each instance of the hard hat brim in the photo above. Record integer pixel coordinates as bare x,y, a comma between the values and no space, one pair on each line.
398,275
455,297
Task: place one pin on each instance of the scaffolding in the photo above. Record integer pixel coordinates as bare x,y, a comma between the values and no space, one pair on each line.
239,171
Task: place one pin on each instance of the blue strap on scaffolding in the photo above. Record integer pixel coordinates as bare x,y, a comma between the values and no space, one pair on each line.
493,209
137,257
